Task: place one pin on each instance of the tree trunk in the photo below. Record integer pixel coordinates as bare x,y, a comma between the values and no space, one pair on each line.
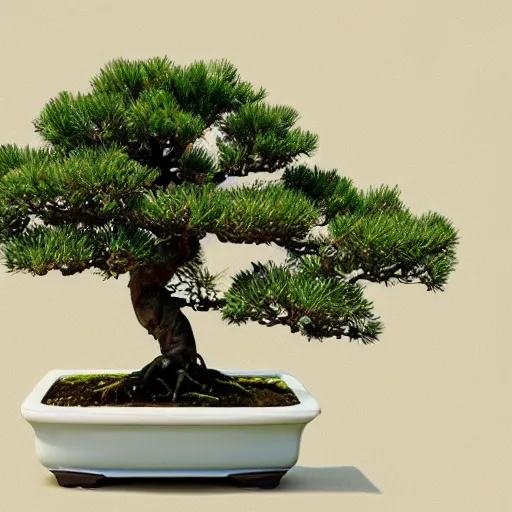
160,313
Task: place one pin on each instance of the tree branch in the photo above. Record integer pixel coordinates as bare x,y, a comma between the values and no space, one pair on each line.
382,275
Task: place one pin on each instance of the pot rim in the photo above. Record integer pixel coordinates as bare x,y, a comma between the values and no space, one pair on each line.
34,411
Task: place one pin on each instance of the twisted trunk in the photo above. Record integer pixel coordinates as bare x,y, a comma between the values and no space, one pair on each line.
160,314
158,311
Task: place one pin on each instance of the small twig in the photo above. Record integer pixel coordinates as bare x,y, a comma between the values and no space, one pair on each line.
384,274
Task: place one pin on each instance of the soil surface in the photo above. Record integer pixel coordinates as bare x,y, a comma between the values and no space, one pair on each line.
115,391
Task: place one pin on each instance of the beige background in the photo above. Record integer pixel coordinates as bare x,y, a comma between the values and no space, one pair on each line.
410,93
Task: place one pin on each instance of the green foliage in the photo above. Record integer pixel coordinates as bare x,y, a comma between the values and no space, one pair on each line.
331,193
13,157
372,234
211,89
195,162
317,307
14,214
122,181
262,213
69,121
258,118
260,137
109,170
336,195
43,249
95,119
232,157
87,181
187,207
119,249
154,108
130,77
205,89
156,115
397,245
379,200
71,250
259,213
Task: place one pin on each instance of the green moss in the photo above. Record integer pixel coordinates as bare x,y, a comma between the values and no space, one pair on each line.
92,377
273,380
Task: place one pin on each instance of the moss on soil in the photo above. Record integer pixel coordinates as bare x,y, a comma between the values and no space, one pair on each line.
88,391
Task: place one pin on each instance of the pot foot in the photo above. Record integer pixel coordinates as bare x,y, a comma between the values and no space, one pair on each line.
77,479
261,480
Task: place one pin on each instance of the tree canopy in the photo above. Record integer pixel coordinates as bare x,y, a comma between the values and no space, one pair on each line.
122,175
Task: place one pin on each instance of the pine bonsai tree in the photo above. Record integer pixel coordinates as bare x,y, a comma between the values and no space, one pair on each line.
125,184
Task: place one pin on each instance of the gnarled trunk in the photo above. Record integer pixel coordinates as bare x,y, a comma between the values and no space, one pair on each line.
160,313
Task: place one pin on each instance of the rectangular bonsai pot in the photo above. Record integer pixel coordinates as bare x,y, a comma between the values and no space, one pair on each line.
83,446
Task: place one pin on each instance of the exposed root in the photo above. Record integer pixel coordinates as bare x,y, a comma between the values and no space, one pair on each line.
109,388
234,384
202,396
205,388
160,380
145,373
166,386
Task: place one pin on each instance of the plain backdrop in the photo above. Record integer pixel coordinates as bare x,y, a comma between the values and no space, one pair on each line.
408,93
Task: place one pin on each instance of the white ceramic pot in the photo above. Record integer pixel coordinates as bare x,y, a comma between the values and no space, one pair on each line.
83,446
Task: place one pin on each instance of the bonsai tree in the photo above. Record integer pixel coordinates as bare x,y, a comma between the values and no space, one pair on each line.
125,183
